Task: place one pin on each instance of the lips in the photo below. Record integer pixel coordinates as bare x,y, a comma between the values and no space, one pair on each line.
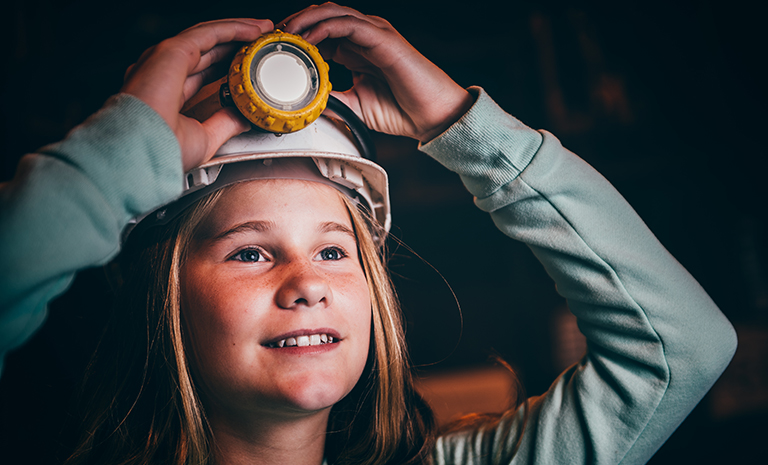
303,338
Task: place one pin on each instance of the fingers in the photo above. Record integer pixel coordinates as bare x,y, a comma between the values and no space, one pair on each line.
218,21
356,30
210,38
161,76
217,54
306,19
219,128
348,55
203,44
359,44
351,100
283,25
210,70
226,30
299,22
204,71
194,83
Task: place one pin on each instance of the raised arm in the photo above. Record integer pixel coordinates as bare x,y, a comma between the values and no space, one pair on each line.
66,206
656,341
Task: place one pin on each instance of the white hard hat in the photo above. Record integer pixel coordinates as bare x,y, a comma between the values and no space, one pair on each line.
328,151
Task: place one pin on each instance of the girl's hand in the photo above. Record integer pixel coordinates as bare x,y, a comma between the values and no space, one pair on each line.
396,89
172,71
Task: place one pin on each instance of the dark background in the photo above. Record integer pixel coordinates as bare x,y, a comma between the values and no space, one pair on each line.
665,99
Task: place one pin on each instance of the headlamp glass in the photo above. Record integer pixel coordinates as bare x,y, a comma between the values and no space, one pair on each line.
284,77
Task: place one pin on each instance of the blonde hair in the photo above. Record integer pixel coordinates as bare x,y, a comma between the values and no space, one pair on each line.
402,429
145,407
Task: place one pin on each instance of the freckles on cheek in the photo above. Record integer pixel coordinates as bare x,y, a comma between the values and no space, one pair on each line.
201,307
223,311
355,286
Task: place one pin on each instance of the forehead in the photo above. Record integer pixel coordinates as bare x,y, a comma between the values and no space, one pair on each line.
287,201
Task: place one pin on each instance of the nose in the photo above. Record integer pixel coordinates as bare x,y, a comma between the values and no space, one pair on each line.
303,286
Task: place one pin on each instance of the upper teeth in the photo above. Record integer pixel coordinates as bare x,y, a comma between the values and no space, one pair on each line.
303,341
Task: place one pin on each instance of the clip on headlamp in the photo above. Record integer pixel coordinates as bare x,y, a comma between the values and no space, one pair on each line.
279,83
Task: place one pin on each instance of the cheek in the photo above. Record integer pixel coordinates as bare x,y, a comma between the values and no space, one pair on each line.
215,303
216,353
361,317
211,318
200,304
196,315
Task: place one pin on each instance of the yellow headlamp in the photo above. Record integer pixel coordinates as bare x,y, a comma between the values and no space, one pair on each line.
279,83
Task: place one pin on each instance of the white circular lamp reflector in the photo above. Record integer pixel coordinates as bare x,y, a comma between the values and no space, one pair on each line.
283,77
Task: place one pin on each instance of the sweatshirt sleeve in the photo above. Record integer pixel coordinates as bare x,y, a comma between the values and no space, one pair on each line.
656,341
65,208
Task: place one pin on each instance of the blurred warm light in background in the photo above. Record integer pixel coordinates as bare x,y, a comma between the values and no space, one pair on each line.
457,393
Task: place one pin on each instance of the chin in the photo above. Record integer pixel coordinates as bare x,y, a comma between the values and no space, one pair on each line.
314,396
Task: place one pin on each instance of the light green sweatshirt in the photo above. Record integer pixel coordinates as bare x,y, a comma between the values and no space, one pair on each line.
656,342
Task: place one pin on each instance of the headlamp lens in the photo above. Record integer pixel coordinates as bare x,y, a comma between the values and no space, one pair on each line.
284,76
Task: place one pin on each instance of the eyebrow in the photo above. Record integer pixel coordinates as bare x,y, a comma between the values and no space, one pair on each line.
263,226
332,226
248,226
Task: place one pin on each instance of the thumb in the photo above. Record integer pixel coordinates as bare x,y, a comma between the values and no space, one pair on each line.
222,126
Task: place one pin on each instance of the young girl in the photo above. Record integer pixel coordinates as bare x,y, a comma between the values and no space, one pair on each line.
258,325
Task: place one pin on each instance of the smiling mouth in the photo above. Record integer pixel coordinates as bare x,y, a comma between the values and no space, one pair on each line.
303,341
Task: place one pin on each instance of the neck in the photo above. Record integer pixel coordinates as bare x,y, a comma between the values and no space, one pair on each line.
299,441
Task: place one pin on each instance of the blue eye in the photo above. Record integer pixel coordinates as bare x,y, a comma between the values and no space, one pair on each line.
248,256
331,253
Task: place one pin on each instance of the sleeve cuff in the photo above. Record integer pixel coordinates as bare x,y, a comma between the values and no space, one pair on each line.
487,147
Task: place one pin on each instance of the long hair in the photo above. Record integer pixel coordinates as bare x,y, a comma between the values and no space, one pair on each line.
383,420
139,398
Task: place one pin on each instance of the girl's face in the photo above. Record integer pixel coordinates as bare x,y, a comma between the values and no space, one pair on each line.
275,301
